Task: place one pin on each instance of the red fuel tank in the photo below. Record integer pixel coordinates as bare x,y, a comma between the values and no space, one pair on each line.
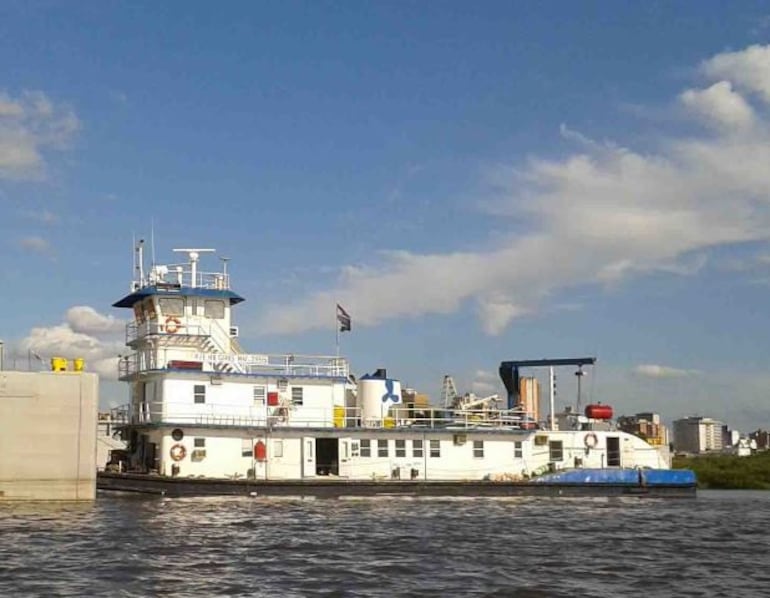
599,411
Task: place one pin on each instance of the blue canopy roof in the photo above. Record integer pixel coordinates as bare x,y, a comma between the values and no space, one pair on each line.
176,291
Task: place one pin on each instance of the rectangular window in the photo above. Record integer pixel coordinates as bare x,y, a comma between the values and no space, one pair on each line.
277,448
366,447
214,309
382,448
171,306
435,448
355,448
478,449
199,443
417,449
400,448
296,395
246,447
517,453
259,396
199,393
556,450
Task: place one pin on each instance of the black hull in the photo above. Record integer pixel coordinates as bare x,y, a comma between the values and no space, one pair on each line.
335,488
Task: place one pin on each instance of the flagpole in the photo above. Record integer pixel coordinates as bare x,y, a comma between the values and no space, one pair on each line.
337,329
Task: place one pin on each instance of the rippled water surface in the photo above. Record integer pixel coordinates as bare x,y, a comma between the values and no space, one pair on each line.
715,545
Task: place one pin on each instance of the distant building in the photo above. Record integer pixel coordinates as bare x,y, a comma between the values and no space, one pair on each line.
730,437
762,439
529,392
697,435
647,426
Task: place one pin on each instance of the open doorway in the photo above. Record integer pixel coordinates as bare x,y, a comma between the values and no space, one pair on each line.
327,456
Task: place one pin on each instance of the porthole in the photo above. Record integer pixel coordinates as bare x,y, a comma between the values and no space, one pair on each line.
177,434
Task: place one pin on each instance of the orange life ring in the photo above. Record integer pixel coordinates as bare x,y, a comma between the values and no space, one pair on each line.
178,452
590,440
172,324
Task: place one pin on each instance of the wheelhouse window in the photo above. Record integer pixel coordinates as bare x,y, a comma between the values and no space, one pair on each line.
199,393
417,448
435,448
478,449
171,306
296,395
382,448
366,447
556,450
214,309
517,451
400,448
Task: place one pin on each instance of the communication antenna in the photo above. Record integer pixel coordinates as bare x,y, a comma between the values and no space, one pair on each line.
152,241
193,255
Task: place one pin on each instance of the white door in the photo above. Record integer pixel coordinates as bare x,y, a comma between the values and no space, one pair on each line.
308,457
345,454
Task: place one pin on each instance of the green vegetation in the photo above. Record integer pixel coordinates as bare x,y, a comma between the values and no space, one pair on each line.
728,472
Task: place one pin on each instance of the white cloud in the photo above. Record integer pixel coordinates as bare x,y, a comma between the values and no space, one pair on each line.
86,320
86,334
661,371
747,69
600,215
720,106
34,244
29,125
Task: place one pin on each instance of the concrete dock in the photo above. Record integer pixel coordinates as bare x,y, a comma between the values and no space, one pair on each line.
48,423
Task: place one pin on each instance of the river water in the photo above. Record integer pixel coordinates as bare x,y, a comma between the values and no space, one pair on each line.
715,545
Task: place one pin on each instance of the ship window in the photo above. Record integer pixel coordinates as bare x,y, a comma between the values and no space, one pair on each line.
556,450
354,448
199,442
366,447
259,395
277,448
171,306
435,448
417,448
246,447
517,452
199,393
400,448
214,309
138,313
382,447
296,395
478,449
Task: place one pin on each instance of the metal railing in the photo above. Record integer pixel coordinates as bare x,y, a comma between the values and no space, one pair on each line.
317,366
292,416
279,364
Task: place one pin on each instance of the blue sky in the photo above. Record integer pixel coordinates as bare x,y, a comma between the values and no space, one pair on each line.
473,183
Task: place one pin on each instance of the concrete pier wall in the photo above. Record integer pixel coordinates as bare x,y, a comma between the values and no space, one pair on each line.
48,426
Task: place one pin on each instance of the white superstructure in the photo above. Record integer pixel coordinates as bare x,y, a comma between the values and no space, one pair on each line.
202,406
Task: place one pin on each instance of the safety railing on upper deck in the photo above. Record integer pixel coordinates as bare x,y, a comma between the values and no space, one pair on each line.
288,416
316,366
283,364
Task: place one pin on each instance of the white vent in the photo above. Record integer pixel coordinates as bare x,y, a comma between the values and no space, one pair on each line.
233,331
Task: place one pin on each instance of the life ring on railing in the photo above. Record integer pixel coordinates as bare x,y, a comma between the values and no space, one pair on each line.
178,452
590,440
172,324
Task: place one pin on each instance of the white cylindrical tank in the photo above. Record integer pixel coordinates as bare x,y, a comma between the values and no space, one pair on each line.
375,397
